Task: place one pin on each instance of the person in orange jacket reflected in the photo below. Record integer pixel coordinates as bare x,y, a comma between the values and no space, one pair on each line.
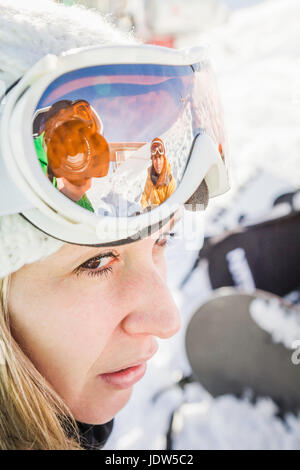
160,183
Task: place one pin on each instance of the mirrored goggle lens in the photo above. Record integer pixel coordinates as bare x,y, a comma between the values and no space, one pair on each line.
157,148
94,132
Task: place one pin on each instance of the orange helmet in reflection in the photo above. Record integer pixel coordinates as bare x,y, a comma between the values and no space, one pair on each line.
75,146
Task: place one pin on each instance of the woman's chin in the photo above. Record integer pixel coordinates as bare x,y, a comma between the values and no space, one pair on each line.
102,410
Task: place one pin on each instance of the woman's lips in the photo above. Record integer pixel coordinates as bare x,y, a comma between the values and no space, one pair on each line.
125,378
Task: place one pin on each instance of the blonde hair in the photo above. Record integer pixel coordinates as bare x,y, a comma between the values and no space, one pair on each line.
32,415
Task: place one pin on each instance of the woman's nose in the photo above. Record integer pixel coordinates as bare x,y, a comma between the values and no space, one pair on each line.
153,310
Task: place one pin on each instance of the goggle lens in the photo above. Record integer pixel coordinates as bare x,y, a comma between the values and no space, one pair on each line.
157,148
94,128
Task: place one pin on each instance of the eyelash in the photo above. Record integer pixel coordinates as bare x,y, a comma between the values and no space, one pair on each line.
108,269
96,272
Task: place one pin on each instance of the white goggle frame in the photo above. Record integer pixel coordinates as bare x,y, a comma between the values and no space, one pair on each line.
23,186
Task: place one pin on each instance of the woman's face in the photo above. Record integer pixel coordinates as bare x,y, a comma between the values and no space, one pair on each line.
84,312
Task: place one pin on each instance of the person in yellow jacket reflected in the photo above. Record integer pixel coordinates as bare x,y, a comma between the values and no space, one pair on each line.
160,183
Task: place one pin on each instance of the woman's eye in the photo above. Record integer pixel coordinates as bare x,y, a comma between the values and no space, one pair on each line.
98,265
165,239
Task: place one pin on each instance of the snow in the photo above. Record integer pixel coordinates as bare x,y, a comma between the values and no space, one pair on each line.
281,322
184,15
227,423
257,59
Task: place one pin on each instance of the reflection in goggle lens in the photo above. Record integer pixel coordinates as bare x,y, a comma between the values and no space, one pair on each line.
96,130
157,147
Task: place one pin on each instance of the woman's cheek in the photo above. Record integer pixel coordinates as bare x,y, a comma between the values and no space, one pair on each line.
64,327
87,315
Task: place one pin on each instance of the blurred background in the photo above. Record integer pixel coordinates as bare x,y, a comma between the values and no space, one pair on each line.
229,380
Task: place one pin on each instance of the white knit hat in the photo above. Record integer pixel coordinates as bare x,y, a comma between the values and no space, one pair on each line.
29,30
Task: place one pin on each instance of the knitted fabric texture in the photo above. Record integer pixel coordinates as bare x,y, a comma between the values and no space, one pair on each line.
21,243
29,30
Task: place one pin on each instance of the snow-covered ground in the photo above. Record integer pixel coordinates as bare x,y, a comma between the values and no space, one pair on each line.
257,60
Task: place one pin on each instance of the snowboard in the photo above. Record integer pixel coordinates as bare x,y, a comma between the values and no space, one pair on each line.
264,255
231,353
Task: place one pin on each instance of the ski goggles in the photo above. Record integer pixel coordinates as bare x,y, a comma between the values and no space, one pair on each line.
76,134
157,147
